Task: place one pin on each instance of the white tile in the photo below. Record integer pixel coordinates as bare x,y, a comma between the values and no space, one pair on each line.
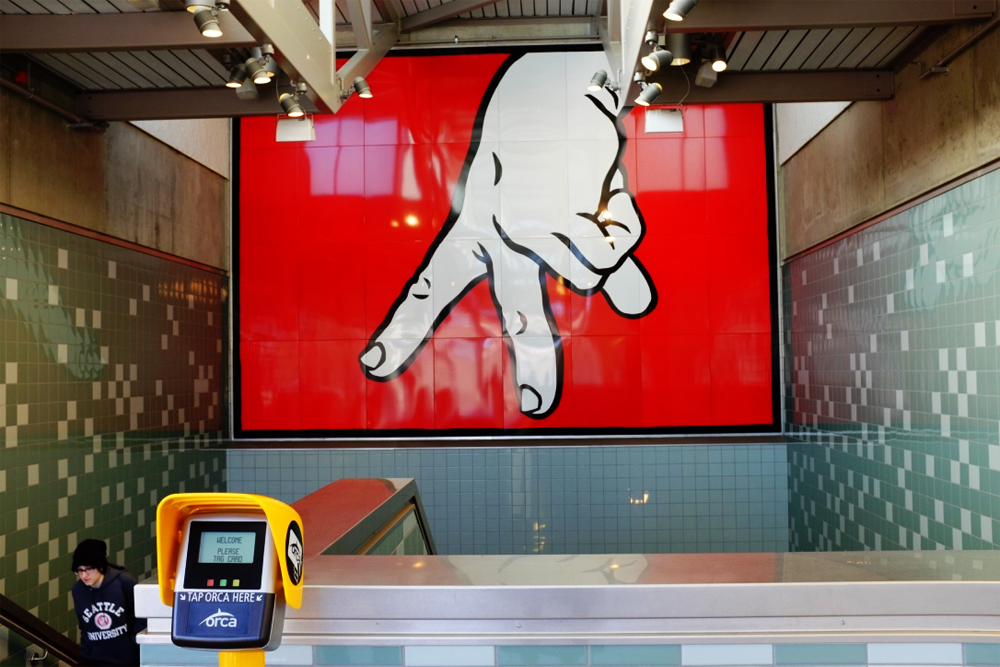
942,274
449,656
731,654
63,258
112,269
967,265
11,289
948,226
980,328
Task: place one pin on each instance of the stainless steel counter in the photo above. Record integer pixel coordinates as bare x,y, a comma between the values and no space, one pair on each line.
601,599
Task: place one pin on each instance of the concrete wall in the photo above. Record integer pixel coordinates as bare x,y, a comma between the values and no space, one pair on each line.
877,155
123,183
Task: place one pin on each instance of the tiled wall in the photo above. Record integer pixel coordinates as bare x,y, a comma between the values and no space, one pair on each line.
568,499
110,391
892,380
635,655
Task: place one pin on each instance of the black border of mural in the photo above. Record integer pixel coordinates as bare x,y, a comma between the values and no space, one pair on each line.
518,436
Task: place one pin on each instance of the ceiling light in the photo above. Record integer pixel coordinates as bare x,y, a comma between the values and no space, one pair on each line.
656,59
237,76
717,55
208,22
361,87
679,44
650,91
256,71
598,80
290,104
195,6
679,9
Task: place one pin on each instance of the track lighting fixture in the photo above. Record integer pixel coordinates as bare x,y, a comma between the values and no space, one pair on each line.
256,71
650,91
679,9
290,105
657,58
206,15
237,76
597,81
679,45
207,21
360,87
715,54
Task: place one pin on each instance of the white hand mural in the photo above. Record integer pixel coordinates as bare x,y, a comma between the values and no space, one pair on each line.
543,192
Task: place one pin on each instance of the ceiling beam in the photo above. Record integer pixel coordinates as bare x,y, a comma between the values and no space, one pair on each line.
442,12
172,104
751,15
149,31
301,49
790,86
504,32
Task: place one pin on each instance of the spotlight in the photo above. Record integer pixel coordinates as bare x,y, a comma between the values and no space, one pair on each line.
679,9
256,71
656,59
237,76
195,6
650,91
362,89
717,55
679,44
290,105
597,82
208,22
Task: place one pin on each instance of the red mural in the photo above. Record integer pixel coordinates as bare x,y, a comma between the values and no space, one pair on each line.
409,271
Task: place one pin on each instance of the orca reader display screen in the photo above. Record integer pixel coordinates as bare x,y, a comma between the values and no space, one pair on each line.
225,551
234,548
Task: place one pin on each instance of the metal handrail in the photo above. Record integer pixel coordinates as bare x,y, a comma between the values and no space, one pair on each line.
31,627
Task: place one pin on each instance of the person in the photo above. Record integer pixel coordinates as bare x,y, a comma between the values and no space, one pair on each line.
104,599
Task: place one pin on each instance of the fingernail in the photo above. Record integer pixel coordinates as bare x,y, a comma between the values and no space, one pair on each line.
373,357
530,400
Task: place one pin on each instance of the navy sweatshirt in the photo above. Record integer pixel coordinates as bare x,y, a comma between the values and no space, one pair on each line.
108,625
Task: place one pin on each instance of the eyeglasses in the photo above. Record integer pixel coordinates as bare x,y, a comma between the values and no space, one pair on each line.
84,570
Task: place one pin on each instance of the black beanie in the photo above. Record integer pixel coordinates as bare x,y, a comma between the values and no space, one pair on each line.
91,553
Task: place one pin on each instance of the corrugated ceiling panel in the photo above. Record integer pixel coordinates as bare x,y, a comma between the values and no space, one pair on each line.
825,48
885,54
784,49
113,63
845,48
743,48
153,61
68,70
155,79
764,48
867,45
804,49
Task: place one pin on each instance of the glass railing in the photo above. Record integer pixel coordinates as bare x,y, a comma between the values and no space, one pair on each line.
26,640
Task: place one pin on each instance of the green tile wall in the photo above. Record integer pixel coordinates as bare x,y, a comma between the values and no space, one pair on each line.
111,370
516,500
892,380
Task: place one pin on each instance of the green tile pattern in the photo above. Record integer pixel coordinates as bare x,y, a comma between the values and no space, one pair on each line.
524,656
635,654
518,500
382,656
982,654
891,376
820,654
111,372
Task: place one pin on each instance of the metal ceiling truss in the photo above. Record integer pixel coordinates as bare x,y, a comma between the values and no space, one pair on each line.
306,46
